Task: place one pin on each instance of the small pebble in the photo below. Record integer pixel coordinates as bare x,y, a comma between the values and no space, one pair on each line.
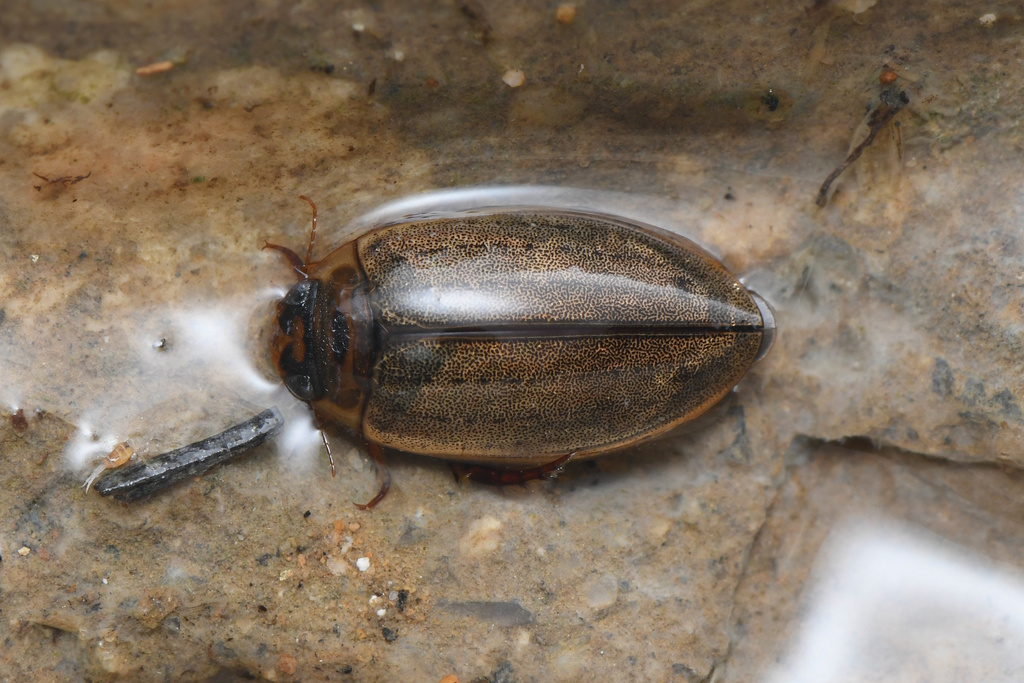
657,529
514,78
381,612
601,592
482,537
354,526
987,20
566,13
363,563
522,638
24,550
337,566
287,665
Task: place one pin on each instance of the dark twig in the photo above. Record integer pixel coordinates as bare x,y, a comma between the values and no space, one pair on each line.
155,474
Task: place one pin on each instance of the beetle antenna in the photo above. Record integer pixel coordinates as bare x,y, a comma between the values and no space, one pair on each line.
330,456
312,235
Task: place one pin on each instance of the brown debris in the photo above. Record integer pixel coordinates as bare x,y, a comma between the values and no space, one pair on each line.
18,421
892,101
565,14
66,180
155,68
474,11
286,664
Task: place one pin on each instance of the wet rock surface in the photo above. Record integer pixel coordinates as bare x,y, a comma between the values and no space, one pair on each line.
133,288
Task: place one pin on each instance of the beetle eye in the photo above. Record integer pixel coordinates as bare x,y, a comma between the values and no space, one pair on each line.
300,386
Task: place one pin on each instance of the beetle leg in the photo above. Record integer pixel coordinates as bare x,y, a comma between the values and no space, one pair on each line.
383,473
496,476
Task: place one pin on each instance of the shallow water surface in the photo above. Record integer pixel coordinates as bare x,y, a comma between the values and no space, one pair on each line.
134,293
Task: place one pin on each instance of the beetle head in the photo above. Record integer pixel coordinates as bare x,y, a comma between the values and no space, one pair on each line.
293,348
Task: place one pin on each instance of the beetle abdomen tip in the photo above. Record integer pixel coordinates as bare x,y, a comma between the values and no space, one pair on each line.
768,323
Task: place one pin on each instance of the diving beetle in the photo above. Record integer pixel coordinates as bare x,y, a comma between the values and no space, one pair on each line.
513,337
